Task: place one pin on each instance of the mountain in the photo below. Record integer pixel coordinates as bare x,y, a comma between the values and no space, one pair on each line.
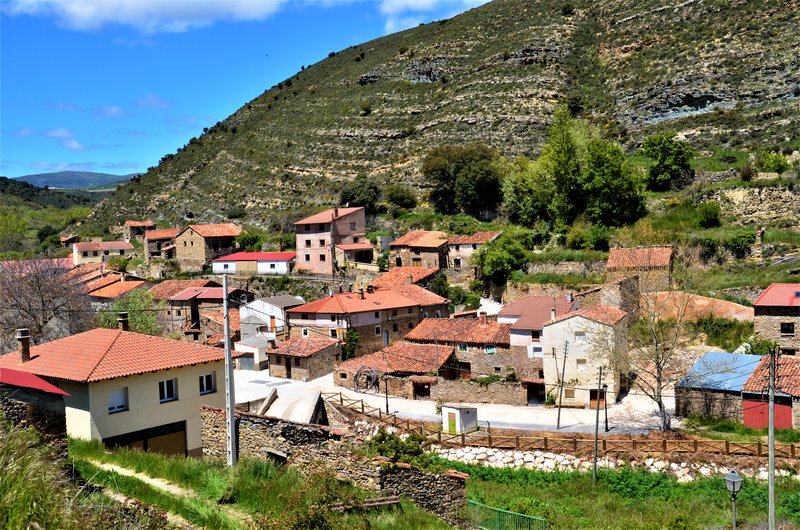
723,73
15,192
74,179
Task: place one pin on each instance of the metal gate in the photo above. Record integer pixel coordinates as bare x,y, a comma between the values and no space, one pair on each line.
491,518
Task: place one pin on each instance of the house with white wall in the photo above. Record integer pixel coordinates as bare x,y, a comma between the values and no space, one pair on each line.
99,251
255,263
527,317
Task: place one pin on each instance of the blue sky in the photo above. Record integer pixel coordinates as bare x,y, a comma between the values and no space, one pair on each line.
113,85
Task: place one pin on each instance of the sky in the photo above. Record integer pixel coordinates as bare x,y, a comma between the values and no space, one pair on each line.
113,85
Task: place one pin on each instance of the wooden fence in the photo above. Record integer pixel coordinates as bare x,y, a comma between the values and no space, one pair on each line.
561,444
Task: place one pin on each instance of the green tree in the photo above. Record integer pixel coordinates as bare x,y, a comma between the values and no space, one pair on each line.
612,190
672,160
464,178
561,158
141,309
249,241
498,259
709,214
399,195
350,345
361,191
527,191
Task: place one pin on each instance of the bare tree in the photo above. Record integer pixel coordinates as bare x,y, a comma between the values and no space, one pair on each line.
39,295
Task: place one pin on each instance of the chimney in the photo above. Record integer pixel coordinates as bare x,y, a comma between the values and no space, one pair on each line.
370,289
24,342
482,317
122,321
272,344
410,279
361,292
335,212
569,297
553,313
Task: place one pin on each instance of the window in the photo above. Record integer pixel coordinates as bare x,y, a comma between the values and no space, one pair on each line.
105,253
169,312
191,243
580,337
462,347
787,328
581,364
342,375
308,257
788,351
490,349
410,310
322,257
322,242
168,390
225,266
271,265
497,369
457,263
535,334
304,316
394,326
377,330
278,359
333,318
474,247
569,393
458,247
322,227
352,226
308,242
535,351
297,361
377,314
184,243
94,253
333,333
178,312
308,228
118,400
122,252
208,383
410,325
85,254
394,312
438,314
305,332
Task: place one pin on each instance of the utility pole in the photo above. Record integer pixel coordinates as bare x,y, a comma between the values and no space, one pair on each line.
771,441
230,399
597,424
561,387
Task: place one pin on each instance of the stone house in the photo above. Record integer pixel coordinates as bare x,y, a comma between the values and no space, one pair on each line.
653,266
777,316
160,243
184,309
379,316
255,263
304,359
317,235
135,229
713,387
27,400
128,389
162,292
405,276
576,345
755,392
99,251
196,246
461,248
419,248
212,327
110,286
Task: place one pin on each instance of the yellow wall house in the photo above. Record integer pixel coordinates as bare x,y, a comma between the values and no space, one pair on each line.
129,389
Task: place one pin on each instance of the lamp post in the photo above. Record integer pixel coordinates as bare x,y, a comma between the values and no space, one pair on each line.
605,403
733,481
386,389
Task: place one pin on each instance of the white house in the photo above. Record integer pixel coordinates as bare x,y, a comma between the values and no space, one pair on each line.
588,336
255,263
99,251
527,317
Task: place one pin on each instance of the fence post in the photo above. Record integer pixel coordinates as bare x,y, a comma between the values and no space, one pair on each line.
439,436
664,445
727,447
545,443
575,444
341,399
792,448
490,439
463,439
516,441
362,406
695,444
759,447
633,448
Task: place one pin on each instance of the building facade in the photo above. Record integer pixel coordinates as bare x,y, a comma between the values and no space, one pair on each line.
318,234
196,246
99,251
159,243
461,248
255,263
777,316
304,359
419,248
135,229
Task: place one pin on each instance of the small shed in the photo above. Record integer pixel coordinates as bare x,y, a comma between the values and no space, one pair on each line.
458,418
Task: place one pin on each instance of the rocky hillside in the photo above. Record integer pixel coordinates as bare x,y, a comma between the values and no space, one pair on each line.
725,73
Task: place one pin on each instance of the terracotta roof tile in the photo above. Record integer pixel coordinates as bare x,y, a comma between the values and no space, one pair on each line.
107,279
91,246
639,258
534,311
379,299
102,354
420,239
599,313
115,290
399,276
354,246
169,288
419,294
219,318
161,233
64,264
327,216
216,230
478,238
139,224
403,357
203,293
464,330
302,347
787,376
780,295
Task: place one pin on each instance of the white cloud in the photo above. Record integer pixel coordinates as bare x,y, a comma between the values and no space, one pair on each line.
394,7
147,16
24,131
151,101
66,139
404,14
109,112
394,24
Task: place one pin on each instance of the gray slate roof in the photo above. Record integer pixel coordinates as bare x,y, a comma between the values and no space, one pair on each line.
723,371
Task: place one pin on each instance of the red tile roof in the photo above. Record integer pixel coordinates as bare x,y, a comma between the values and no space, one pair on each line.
399,276
787,376
601,313
27,380
639,258
379,299
216,230
219,318
420,239
102,354
327,216
302,347
115,290
354,246
403,357
161,233
419,294
478,238
91,246
534,311
455,330
139,224
780,295
169,288
107,279
22,265
259,256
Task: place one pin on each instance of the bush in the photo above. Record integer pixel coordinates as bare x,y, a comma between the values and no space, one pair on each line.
740,244
401,196
237,212
365,107
771,162
709,212
567,10
746,172
672,160
362,191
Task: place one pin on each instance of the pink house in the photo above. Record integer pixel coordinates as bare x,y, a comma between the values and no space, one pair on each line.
316,236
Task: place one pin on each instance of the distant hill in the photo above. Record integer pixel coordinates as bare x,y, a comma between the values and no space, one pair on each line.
14,192
74,179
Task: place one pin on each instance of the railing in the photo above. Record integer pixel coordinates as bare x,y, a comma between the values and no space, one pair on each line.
561,444
491,518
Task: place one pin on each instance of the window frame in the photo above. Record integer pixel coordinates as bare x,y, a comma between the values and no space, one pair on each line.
125,403
204,381
164,386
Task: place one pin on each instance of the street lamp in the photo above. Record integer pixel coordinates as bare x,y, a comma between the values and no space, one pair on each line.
605,402
733,481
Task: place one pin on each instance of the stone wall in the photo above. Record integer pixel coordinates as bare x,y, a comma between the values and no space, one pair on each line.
705,403
769,327
428,258
440,494
759,206
26,408
582,268
651,279
462,391
307,368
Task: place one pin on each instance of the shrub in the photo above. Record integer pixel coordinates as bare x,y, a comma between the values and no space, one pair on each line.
672,160
771,162
365,107
740,244
746,172
567,10
401,196
237,212
709,212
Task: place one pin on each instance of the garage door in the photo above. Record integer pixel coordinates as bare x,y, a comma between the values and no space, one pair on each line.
168,439
756,412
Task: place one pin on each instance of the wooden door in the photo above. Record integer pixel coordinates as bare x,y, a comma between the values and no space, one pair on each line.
288,365
451,422
168,444
593,399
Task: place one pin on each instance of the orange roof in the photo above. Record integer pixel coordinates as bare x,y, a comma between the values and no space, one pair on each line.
419,294
478,238
399,276
161,233
354,246
216,230
780,295
787,376
639,258
139,223
302,347
534,311
90,246
169,288
421,239
102,354
601,313
219,318
115,290
327,216
455,330
107,279
343,303
403,357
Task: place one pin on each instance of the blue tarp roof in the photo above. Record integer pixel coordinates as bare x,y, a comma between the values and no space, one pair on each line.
718,370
